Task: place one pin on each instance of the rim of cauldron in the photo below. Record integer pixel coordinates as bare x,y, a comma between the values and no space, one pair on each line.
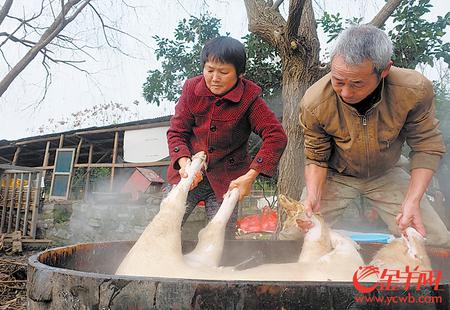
34,262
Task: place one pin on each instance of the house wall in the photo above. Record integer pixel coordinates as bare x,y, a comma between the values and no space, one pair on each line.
145,145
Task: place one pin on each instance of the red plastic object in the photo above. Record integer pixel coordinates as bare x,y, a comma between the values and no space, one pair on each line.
265,222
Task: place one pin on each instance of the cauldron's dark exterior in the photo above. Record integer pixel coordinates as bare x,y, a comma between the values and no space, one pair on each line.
79,277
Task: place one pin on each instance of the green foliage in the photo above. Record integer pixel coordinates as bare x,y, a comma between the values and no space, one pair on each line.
263,65
442,91
332,24
96,174
180,59
416,40
61,214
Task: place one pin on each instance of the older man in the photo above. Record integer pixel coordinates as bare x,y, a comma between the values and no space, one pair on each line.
356,120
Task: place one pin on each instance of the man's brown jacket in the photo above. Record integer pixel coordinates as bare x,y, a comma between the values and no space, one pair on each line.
338,137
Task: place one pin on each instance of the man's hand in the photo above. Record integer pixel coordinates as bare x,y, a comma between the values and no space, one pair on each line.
410,216
311,206
244,183
315,177
198,176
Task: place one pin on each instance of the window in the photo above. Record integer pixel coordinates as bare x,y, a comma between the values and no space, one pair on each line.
62,174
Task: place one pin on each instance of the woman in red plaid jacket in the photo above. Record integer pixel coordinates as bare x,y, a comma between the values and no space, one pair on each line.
216,113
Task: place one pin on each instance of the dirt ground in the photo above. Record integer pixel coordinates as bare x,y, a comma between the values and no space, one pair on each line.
13,279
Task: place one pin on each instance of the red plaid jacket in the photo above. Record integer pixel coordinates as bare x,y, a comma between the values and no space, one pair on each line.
221,127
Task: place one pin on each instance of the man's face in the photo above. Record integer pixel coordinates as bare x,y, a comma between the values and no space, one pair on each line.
353,83
219,77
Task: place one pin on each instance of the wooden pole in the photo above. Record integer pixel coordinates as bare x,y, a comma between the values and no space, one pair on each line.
122,128
27,204
88,172
19,203
114,158
11,203
16,155
5,201
75,161
6,160
35,205
77,154
123,165
46,157
61,141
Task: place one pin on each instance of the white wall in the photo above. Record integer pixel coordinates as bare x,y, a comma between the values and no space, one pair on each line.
145,145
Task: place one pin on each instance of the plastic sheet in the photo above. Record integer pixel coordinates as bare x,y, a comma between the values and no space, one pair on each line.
264,222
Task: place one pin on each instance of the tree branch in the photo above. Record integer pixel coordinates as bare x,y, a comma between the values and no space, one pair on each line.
10,36
75,47
75,14
48,80
68,62
104,27
294,18
6,60
266,22
5,9
44,42
277,4
54,29
385,12
63,13
128,35
27,21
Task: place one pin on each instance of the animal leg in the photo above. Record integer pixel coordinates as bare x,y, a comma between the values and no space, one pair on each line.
158,250
208,251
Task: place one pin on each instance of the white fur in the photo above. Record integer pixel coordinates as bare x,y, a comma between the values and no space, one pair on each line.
160,243
405,251
325,254
208,251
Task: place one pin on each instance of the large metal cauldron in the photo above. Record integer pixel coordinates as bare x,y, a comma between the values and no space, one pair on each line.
80,277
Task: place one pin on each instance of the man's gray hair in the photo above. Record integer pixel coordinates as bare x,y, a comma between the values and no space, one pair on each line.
364,42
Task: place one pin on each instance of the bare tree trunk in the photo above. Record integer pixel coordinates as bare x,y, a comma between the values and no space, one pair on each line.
300,70
290,180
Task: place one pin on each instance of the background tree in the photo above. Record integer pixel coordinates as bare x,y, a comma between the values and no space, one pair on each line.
42,32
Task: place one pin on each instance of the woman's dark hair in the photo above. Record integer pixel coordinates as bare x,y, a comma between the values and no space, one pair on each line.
225,50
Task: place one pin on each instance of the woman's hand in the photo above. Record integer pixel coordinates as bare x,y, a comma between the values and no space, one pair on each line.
244,183
198,175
